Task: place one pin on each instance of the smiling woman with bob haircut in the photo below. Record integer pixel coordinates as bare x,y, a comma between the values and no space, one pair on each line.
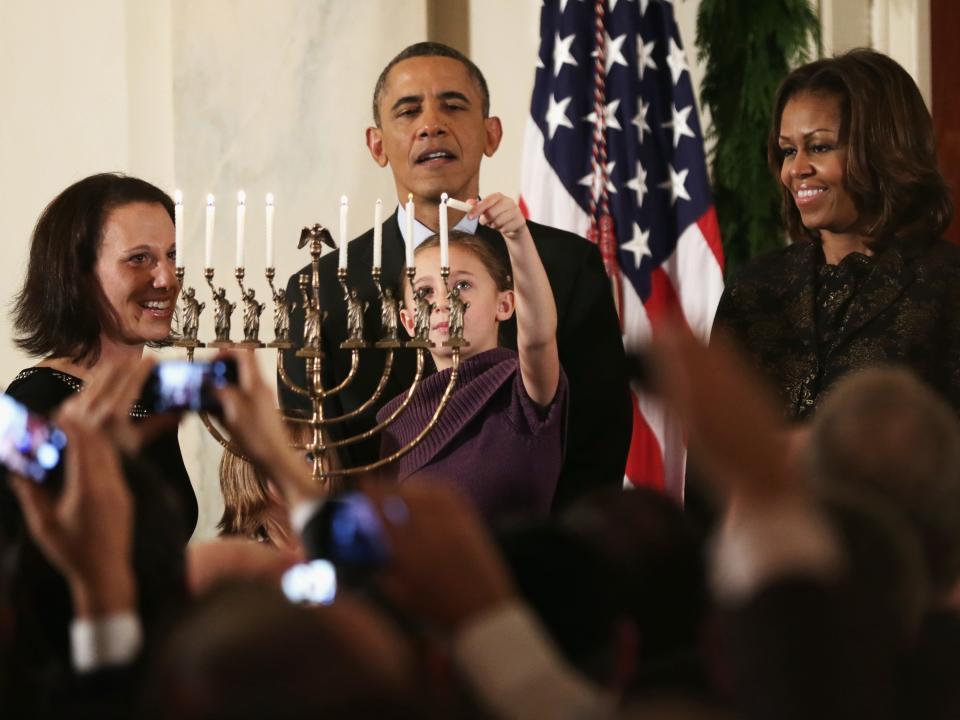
867,279
100,285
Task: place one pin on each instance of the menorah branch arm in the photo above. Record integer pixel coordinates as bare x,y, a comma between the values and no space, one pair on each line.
383,380
336,390
218,436
406,401
341,472
387,369
285,378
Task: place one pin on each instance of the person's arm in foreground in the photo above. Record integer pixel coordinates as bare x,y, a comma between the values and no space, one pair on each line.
86,532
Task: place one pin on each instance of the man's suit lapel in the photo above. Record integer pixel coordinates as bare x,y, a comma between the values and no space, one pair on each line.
393,253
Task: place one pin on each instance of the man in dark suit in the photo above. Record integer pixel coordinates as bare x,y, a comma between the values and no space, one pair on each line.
433,127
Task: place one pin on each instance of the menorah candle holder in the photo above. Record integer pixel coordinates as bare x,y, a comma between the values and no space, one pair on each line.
282,307
222,313
190,309
251,314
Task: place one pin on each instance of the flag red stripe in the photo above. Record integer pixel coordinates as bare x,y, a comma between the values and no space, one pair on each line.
663,303
645,462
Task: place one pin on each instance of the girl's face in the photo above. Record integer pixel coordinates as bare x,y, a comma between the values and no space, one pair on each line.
487,305
135,268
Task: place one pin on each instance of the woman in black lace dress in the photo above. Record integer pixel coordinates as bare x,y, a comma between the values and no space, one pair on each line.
867,280
100,285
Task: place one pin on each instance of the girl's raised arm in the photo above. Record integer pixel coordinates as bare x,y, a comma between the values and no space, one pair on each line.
535,307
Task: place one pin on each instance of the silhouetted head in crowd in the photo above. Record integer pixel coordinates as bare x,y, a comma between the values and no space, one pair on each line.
244,651
657,554
883,567
886,433
573,590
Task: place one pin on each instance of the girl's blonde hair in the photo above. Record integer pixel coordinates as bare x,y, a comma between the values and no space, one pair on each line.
247,499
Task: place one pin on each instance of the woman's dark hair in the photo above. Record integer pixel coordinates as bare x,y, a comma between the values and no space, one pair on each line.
61,308
891,169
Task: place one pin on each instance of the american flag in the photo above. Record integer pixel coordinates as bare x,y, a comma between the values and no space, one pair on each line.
613,151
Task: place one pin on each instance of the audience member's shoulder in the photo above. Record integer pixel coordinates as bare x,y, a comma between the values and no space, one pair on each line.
42,389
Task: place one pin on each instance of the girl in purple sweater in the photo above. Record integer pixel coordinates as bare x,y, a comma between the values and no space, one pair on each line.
500,438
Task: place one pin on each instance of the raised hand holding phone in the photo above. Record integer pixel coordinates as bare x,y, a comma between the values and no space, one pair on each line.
86,530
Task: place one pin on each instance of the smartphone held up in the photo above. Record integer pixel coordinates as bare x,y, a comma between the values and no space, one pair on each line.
178,385
29,443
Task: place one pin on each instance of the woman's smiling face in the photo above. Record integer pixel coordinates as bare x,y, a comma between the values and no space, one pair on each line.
814,163
135,268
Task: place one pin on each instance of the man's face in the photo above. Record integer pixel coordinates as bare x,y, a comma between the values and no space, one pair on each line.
433,133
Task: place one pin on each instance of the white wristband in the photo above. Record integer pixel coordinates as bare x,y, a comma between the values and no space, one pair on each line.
100,642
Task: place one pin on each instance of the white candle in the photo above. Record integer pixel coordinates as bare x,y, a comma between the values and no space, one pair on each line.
178,225
459,205
208,236
409,248
269,216
343,233
241,225
377,233
444,234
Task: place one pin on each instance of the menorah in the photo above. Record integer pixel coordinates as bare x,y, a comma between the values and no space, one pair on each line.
309,351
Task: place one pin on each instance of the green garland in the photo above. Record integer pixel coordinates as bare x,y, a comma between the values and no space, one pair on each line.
748,47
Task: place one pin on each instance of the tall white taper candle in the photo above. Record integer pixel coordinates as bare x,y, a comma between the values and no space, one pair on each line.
269,217
444,234
208,233
342,265
241,225
409,248
377,233
178,225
